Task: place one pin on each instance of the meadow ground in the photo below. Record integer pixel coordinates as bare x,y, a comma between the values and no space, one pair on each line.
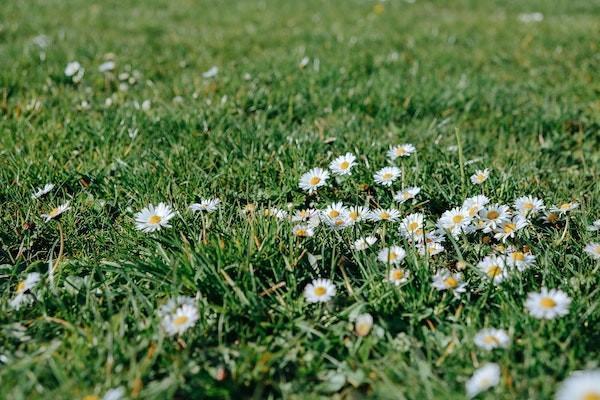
471,84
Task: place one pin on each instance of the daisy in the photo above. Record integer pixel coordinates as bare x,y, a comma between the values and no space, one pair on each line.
380,214
320,290
303,231
593,249
276,213
23,290
398,276
386,176
343,164
208,205
548,304
445,280
508,229
173,304
520,260
75,71
403,150
180,320
313,179
431,249
39,192
335,210
55,212
480,176
475,204
393,255
363,324
411,227
455,221
565,207
493,216
364,243
340,222
483,379
595,226
494,268
407,194
529,206
154,218
489,339
550,217
308,215
358,213
580,385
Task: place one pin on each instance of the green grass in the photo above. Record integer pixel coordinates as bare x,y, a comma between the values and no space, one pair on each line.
524,98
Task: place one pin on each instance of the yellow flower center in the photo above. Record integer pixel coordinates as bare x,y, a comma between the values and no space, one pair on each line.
494,271
509,228
398,274
320,291
400,151
596,249
91,397
392,256
54,212
21,287
180,320
344,165
457,219
154,219
339,222
315,180
480,177
451,282
591,396
547,302
518,256
565,206
300,232
406,195
413,226
493,214
387,176
528,206
303,214
334,213
552,218
353,215
384,215
489,339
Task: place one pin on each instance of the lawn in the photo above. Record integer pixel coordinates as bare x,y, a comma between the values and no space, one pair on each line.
125,104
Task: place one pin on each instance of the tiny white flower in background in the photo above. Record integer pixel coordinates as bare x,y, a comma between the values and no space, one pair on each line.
403,150
531,17
55,212
180,320
565,207
342,165
387,215
529,206
494,268
114,394
398,276
75,71
475,204
313,179
275,212
393,255
520,260
455,221
548,304
480,176
211,73
509,229
595,226
445,280
494,215
154,218
363,324
23,289
106,66
483,379
489,339
407,194
319,290
358,213
206,205
364,243
39,192
303,231
593,249
386,176
146,104
580,385
430,248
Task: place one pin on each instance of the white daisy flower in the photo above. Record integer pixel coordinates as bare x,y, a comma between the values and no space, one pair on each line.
407,194
342,165
393,255
55,212
107,66
445,280
386,176
595,226
114,394
494,268
154,218
593,249
565,207
550,217
480,176
358,213
490,338
548,304
493,216
320,290
509,229
483,379
430,248
580,385
341,222
23,291
386,215
75,71
206,205
170,306
411,227
39,192
455,221
363,324
335,210
475,204
398,276
313,179
180,320
364,243
529,206
403,150
520,260
276,213
308,215
303,230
